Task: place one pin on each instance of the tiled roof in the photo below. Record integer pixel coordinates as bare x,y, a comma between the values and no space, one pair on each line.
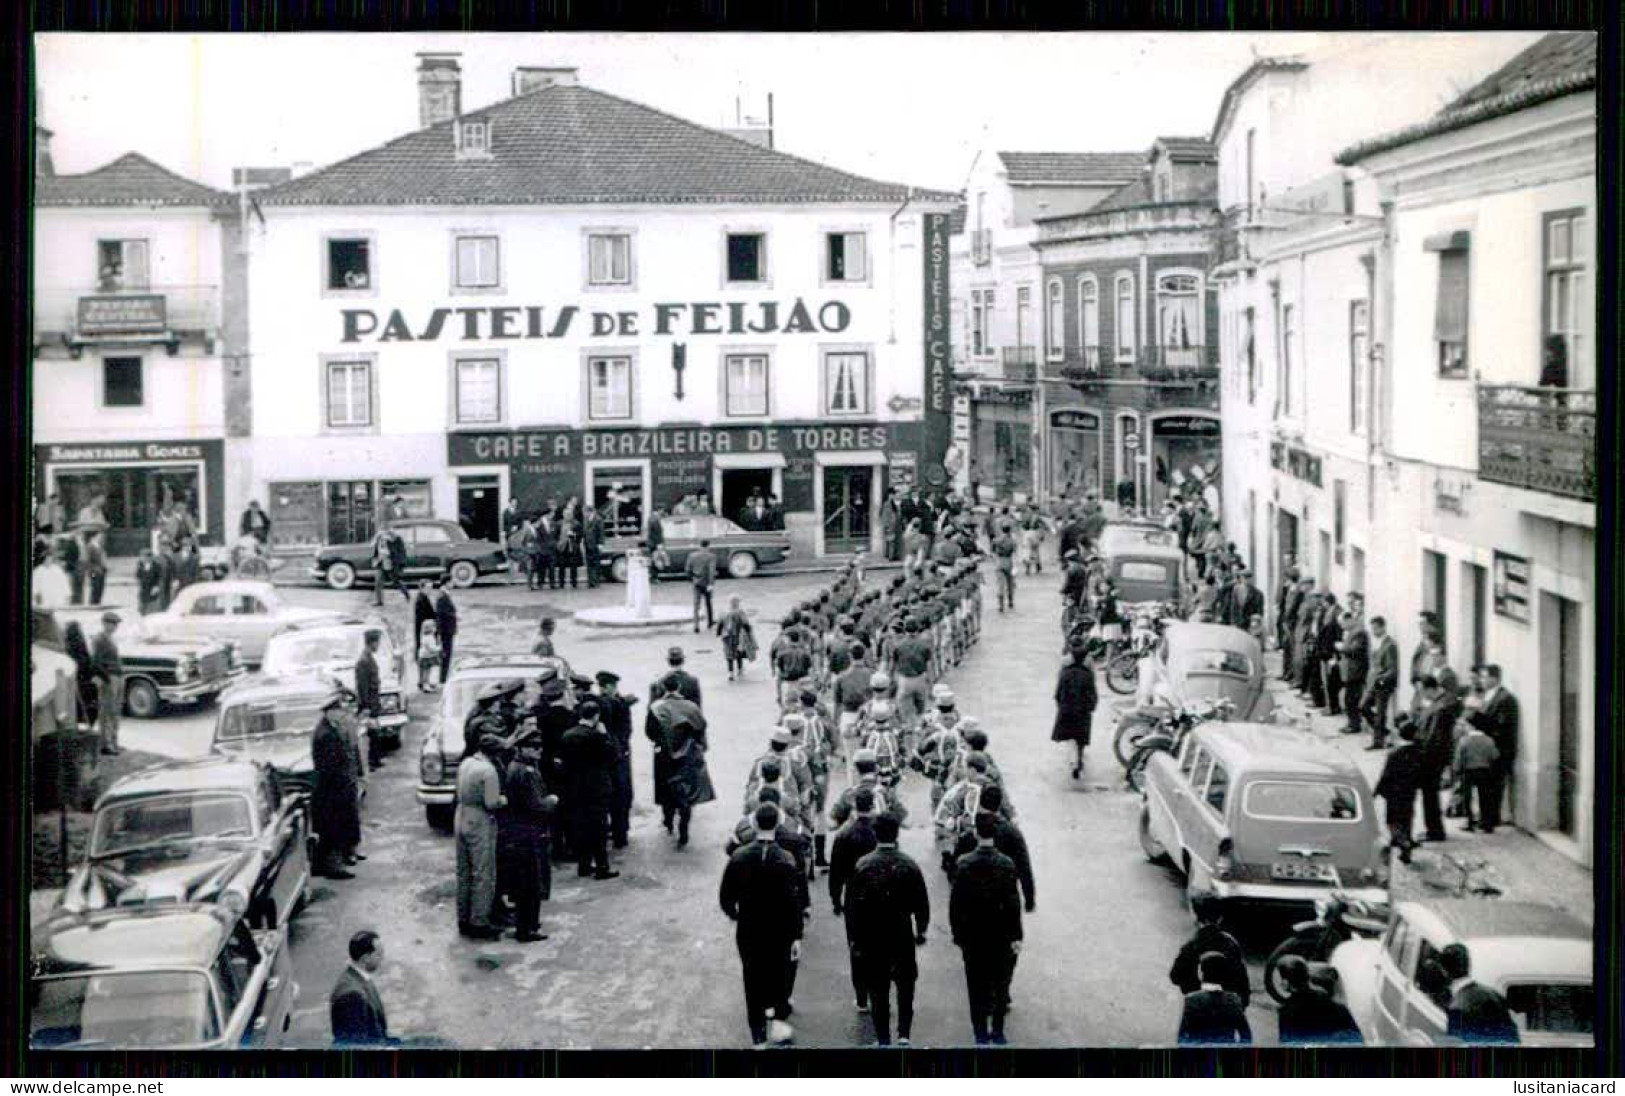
1072,167
1561,63
569,145
1188,148
130,180
1137,193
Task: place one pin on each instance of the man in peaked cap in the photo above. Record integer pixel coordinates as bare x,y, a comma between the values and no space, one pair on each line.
589,764
616,712
687,684
335,801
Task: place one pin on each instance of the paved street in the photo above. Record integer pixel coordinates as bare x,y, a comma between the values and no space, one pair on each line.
648,959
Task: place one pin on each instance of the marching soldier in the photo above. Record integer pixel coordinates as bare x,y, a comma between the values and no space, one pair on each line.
761,894
941,746
868,776
957,811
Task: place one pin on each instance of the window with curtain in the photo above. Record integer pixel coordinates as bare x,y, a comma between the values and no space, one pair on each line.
1450,313
477,262
1054,319
1123,316
1089,319
745,381
609,388
846,383
349,393
1359,352
1024,304
479,390
609,258
1179,319
1565,300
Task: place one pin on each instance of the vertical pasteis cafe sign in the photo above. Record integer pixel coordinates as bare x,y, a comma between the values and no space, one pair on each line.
938,389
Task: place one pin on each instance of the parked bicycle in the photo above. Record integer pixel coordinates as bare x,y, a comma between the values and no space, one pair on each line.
1167,735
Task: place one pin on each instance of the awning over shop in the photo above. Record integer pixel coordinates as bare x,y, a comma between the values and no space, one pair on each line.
747,460
858,457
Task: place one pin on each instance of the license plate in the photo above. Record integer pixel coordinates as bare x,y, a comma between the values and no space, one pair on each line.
1315,872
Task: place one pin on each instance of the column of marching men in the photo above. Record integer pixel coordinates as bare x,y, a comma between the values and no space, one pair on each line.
862,696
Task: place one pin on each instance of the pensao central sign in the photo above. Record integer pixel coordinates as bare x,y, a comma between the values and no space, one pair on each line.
677,319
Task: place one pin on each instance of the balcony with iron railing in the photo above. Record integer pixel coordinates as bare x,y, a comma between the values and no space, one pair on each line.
1178,364
1019,363
1541,439
79,315
1156,217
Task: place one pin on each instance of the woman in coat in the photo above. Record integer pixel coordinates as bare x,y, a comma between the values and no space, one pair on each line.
690,781
1075,700
738,639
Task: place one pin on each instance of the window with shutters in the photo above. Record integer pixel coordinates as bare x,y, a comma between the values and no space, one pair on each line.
1450,313
744,380
1054,321
1089,319
477,262
1565,316
478,396
609,259
846,382
845,257
747,257
609,387
1359,353
1123,316
121,264
1289,336
349,393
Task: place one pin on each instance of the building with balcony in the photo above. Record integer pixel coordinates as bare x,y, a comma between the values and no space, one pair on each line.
997,304
1129,401
566,294
130,261
1489,411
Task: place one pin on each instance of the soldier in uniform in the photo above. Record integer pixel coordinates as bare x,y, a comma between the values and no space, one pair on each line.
617,715
555,717
589,764
494,713
524,836
810,736
942,745
866,767
773,771
957,811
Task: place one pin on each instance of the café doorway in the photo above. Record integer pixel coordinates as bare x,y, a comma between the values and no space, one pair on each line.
479,507
619,491
847,498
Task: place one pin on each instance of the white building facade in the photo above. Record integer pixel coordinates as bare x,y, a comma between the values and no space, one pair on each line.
504,317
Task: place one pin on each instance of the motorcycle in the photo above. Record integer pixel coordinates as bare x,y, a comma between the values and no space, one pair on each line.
1168,734
1123,668
1338,919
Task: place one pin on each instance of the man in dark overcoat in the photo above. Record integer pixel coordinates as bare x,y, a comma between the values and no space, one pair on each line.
335,803
616,712
887,913
523,837
1400,779
984,911
589,765
761,893
445,619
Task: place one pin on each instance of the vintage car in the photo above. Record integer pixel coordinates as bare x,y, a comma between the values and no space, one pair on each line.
1537,957
163,664
1206,661
1144,561
196,831
442,749
328,649
434,549
272,720
240,611
739,552
1260,814
183,976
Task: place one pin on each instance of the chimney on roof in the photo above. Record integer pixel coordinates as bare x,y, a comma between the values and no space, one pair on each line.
440,88
43,167
529,78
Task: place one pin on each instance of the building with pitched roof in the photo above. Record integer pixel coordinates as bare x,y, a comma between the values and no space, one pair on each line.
566,294
130,261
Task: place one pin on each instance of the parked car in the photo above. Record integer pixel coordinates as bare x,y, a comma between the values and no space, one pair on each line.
272,721
1537,957
1259,814
442,749
240,611
171,977
433,549
214,829
1144,561
329,648
740,552
1206,661
164,663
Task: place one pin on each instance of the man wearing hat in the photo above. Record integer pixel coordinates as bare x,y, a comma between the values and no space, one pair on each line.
772,770
524,837
335,801
554,719
866,766
687,684
616,712
493,713
761,893
957,811
942,744
367,697
479,797
589,765
108,668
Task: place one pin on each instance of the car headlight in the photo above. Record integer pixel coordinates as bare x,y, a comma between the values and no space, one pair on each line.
432,768
186,670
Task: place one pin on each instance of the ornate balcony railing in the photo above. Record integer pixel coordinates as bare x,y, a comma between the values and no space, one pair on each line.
1175,364
1019,363
1543,439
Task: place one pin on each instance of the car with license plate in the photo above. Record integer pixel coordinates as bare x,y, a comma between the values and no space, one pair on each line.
442,749
244,612
1195,662
739,552
272,721
1537,957
329,648
185,976
434,549
164,665
213,829
1257,813
1143,561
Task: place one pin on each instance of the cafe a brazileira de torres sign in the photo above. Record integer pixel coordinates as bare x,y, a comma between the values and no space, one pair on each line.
540,321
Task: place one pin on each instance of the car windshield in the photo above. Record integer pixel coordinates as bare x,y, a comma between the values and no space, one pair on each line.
1552,1008
146,1009
293,715
1214,662
1302,801
289,655
169,819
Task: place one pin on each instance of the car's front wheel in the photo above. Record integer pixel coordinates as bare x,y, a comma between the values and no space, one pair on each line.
619,570
741,565
464,574
141,699
341,576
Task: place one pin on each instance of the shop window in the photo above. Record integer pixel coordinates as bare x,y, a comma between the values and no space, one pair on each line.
1123,316
1359,353
400,500
744,379
121,264
747,257
1564,296
478,391
349,263
296,513
846,383
349,394
478,262
609,388
122,382
609,258
845,258
1450,313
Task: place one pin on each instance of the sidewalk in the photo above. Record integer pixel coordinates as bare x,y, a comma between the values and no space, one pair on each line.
1522,865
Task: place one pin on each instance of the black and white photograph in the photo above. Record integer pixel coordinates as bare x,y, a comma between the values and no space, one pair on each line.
612,541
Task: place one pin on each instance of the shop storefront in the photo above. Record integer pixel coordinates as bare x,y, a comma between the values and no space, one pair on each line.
137,479
1185,446
829,479
1077,451
1001,455
309,513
